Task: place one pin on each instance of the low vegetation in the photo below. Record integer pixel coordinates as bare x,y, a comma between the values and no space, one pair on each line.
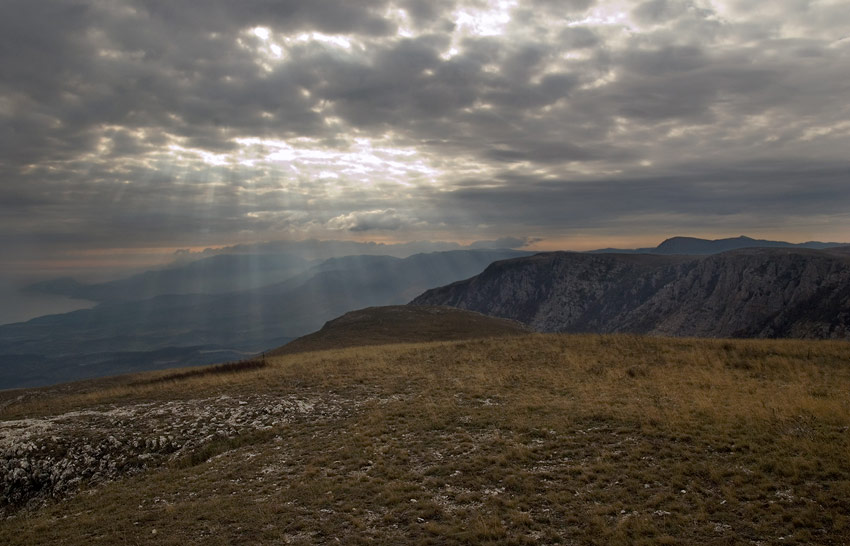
402,324
552,439
226,368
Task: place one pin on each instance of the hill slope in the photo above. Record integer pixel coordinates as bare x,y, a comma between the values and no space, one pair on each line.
746,293
401,324
540,439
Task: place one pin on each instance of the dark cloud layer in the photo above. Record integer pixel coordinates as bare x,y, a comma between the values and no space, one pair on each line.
154,123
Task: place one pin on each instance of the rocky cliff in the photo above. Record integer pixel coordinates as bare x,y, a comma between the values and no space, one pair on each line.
744,293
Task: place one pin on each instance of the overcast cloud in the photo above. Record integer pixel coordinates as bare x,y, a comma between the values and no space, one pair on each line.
155,124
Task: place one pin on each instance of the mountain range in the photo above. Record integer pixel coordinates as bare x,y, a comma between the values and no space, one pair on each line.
174,329
214,275
762,292
229,306
697,246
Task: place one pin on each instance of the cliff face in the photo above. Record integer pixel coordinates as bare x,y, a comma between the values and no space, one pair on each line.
743,293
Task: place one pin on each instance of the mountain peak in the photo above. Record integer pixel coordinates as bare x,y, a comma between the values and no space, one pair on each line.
695,245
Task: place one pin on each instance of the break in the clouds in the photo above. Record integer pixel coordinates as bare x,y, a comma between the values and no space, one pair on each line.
152,123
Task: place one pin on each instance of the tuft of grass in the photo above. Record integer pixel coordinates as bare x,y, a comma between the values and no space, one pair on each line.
220,445
226,368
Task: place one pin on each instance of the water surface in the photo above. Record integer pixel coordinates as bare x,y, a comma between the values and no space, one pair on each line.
17,305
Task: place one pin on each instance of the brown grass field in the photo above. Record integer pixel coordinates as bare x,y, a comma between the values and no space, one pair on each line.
535,439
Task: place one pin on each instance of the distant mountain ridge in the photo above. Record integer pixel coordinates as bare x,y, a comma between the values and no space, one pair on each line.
218,326
225,273
697,246
226,306
779,292
214,275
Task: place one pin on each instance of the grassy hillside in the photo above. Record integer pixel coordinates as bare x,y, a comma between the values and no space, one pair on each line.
561,439
401,324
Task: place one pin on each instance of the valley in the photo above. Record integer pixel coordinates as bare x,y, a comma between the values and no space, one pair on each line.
173,328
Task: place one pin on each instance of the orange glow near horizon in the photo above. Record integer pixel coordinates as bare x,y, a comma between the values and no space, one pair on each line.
137,258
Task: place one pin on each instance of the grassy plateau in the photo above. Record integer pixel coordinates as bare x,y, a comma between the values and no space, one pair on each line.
529,439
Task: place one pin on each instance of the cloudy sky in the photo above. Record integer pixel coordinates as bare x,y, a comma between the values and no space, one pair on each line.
134,128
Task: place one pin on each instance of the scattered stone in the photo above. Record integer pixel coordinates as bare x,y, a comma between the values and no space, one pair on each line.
52,457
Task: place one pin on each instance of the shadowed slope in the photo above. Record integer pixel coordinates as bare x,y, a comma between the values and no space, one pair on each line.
401,324
756,292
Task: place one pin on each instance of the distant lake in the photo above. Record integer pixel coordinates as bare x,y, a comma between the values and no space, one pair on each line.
19,306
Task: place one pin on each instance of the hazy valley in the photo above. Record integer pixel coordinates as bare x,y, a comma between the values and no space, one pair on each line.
231,306
164,319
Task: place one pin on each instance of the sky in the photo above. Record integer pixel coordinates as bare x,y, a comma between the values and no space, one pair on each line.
131,130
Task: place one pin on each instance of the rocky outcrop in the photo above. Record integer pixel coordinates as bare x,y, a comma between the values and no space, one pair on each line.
744,293
52,457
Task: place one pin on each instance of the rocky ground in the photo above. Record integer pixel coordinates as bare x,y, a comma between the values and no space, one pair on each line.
52,457
541,439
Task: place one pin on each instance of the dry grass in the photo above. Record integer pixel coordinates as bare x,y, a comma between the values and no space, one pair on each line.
226,368
524,440
402,324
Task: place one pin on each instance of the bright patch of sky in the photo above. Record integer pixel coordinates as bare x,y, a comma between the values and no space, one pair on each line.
363,160
272,48
610,13
490,19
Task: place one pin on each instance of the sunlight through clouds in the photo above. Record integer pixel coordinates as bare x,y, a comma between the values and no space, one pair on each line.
362,161
535,116
608,14
271,49
491,19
